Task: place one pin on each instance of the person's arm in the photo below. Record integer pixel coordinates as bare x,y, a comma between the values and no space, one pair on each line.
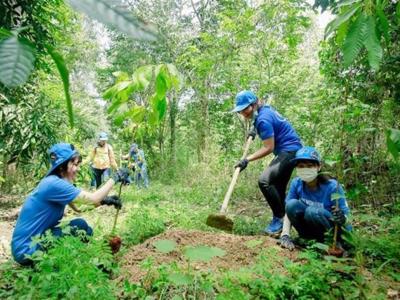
98,195
73,207
286,226
89,158
113,163
268,147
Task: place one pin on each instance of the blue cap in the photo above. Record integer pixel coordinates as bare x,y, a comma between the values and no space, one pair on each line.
243,100
133,148
103,136
307,153
60,153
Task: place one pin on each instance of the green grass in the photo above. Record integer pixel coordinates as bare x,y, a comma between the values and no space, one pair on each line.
73,270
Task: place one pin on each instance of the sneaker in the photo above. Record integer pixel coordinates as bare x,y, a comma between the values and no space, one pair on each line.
275,227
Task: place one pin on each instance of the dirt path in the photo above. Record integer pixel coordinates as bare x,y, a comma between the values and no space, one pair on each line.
240,251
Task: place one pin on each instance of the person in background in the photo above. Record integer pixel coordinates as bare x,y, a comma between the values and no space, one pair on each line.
102,159
138,165
279,137
311,201
44,208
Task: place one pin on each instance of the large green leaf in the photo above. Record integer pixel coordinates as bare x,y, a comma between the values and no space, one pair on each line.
161,85
340,19
384,23
354,39
393,142
4,33
16,61
203,253
372,44
165,246
109,13
62,69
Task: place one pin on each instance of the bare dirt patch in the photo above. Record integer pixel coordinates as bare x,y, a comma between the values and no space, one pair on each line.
240,251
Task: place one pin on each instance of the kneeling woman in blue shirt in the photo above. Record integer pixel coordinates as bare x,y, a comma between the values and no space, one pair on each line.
44,207
310,203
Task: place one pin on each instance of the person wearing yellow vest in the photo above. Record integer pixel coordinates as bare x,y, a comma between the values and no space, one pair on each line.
102,159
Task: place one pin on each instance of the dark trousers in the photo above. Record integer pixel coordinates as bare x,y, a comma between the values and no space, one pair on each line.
310,222
98,175
273,182
76,227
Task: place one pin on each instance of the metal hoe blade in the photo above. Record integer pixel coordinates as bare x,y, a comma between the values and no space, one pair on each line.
220,222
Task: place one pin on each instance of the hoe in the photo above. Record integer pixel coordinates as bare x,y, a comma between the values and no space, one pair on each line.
221,220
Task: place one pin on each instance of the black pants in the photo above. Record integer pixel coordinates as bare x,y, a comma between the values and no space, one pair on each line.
274,179
98,173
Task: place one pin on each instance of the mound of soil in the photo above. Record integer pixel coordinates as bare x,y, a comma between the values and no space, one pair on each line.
240,251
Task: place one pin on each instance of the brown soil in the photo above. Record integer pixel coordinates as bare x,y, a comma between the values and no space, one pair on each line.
238,253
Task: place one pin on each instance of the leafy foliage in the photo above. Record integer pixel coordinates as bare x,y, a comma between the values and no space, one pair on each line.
16,61
112,15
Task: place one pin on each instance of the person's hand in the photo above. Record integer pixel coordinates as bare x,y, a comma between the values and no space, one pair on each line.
252,133
242,164
112,200
286,242
338,217
121,175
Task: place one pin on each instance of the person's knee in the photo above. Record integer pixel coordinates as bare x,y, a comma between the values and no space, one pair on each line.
263,181
81,224
293,208
315,215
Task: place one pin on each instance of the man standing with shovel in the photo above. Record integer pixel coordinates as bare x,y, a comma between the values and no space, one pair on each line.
278,137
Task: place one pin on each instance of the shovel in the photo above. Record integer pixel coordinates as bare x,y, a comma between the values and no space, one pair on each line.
221,220
115,241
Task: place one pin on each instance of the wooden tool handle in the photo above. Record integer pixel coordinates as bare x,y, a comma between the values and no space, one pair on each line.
235,177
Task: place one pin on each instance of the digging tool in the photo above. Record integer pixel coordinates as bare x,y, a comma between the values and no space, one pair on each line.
115,241
334,250
221,220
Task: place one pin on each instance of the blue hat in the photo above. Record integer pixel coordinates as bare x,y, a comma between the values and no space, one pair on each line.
307,153
60,153
243,100
103,136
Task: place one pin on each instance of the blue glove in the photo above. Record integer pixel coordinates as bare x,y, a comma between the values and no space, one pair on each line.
242,164
121,175
338,217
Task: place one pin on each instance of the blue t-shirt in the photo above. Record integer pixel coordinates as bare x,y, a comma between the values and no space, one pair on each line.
138,157
43,209
269,123
321,197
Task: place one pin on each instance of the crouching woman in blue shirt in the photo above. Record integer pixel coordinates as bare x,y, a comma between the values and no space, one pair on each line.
44,207
310,203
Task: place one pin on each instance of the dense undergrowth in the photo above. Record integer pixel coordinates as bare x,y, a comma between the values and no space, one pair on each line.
75,270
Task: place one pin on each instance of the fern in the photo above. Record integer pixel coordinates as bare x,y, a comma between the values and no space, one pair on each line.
341,19
16,61
372,44
111,15
354,39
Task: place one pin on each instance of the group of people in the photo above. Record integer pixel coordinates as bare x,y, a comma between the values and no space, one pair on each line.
310,205
315,202
102,162
44,207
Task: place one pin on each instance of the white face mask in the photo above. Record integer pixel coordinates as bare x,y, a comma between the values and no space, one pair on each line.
307,174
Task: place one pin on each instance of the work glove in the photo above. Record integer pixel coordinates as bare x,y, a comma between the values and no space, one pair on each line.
338,217
252,133
242,164
112,200
121,175
286,242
